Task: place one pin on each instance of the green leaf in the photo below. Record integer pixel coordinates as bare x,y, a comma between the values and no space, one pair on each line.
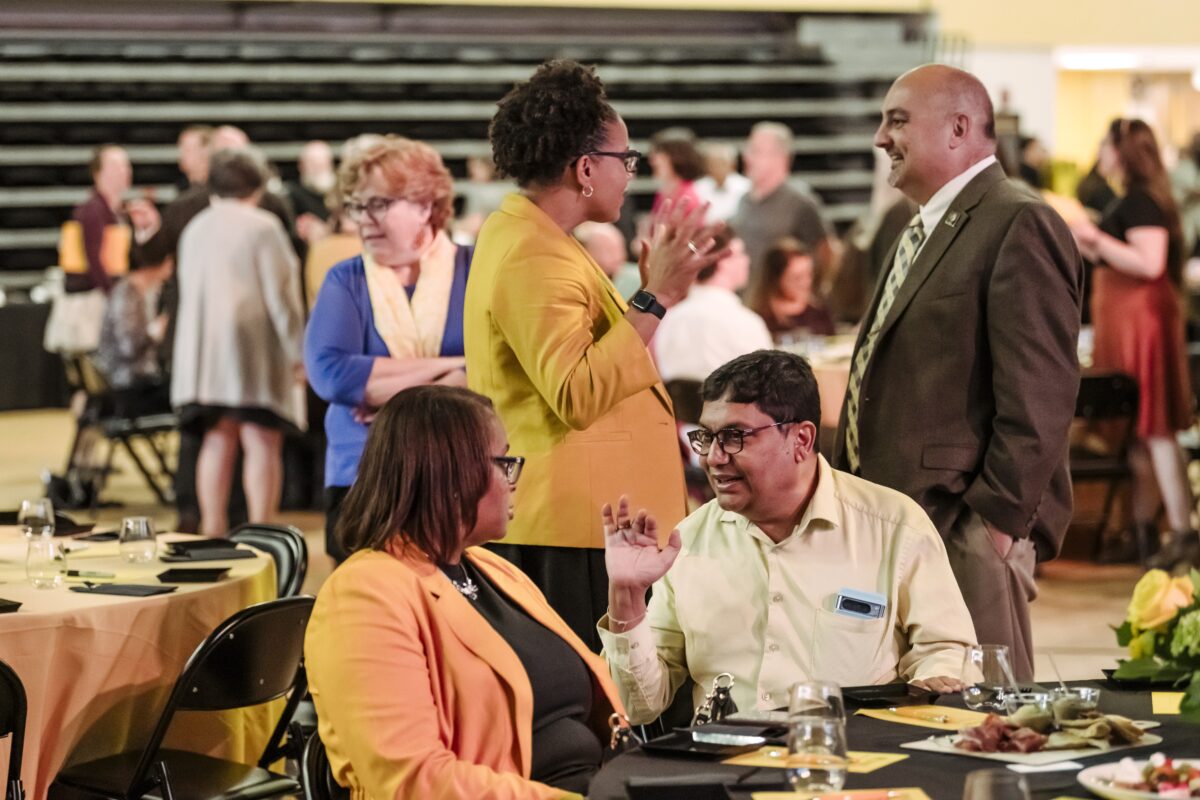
1137,669
1124,634
1195,576
1189,708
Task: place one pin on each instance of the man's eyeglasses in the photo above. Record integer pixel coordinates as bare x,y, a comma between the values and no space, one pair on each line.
375,208
512,466
630,157
731,440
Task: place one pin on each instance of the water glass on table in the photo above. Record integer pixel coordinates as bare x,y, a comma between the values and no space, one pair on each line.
45,562
987,675
995,784
816,699
137,543
36,517
817,758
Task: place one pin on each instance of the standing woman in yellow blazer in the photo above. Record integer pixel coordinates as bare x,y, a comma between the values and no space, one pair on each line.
438,670
551,342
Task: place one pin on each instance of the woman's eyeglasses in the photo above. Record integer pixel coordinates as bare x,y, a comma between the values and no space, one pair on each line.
630,157
730,440
375,208
512,466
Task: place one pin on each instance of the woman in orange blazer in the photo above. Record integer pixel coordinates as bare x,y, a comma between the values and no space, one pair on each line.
438,670
551,342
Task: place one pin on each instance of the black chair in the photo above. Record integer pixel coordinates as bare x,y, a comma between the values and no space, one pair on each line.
253,657
13,709
103,415
316,778
285,544
685,397
1108,406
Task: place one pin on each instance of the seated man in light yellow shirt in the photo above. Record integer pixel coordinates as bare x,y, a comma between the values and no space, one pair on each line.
749,583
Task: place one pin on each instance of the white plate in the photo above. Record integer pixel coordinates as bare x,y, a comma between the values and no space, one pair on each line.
945,744
1097,781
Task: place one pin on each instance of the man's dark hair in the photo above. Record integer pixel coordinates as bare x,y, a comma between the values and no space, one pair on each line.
547,122
780,384
721,239
235,173
420,483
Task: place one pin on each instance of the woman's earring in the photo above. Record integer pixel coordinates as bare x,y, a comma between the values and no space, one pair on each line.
587,191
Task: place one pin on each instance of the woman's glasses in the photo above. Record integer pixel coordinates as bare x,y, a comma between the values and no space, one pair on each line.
630,157
375,208
512,466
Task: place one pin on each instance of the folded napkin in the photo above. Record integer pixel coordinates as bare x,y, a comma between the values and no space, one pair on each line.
208,554
124,589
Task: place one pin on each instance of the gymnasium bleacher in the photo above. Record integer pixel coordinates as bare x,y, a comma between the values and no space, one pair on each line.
288,75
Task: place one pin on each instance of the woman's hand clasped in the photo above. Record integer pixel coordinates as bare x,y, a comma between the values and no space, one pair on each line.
680,246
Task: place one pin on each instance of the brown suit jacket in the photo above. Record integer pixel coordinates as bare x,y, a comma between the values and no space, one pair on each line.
970,392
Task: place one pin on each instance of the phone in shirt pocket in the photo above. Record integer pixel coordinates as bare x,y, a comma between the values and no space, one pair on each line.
860,604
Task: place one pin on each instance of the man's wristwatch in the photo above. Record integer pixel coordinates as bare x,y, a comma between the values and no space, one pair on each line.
647,303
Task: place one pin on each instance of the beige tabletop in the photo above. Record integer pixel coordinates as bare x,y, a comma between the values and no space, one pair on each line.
97,668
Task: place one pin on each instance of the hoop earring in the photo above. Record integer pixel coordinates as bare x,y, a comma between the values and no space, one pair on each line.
587,191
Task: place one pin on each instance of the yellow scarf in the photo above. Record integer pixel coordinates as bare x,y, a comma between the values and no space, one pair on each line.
413,328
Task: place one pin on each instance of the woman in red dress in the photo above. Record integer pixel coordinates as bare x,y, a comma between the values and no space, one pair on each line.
1139,326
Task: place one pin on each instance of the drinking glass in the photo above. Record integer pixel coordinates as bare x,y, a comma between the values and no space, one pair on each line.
45,562
817,759
36,517
816,699
987,675
995,784
137,540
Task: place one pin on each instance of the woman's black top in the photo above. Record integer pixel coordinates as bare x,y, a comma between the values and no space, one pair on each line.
1137,209
566,753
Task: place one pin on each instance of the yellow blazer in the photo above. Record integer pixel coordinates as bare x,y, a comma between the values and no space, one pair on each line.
417,695
578,393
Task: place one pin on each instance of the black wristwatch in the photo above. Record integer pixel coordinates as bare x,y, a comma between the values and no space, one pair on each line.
647,303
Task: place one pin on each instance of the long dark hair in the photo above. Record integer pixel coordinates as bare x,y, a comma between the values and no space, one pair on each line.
423,472
1143,167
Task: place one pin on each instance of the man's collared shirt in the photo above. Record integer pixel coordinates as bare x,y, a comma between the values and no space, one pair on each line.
933,211
734,601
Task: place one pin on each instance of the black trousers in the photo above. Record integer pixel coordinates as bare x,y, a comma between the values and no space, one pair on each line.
573,579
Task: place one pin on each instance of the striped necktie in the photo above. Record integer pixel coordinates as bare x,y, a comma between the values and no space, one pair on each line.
906,253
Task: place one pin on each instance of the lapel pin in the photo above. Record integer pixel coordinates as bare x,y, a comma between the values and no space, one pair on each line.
952,219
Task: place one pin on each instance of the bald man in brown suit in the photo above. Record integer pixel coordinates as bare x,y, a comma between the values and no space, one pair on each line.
964,377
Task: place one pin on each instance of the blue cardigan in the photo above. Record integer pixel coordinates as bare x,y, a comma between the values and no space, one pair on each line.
341,345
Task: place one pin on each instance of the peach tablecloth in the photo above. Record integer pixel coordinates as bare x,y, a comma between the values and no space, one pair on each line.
97,668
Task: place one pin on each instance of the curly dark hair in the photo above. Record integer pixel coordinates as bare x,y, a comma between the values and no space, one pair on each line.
781,384
547,122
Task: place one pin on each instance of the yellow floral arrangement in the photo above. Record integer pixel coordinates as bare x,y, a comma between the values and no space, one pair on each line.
1162,632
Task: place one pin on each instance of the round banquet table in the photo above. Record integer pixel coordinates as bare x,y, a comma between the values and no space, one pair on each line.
97,668
941,776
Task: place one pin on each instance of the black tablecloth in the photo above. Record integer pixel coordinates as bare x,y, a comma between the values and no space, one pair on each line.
941,776
29,376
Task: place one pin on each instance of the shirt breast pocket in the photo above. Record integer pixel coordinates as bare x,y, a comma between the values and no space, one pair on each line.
851,651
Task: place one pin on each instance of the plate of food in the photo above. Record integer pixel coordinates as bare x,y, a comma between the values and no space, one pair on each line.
1035,734
1156,778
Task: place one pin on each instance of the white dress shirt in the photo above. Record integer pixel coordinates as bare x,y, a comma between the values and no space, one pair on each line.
722,200
933,211
709,328
734,601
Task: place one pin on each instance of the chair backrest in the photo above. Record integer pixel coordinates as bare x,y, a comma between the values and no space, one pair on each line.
1107,395
285,544
13,708
685,396
255,656
316,778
